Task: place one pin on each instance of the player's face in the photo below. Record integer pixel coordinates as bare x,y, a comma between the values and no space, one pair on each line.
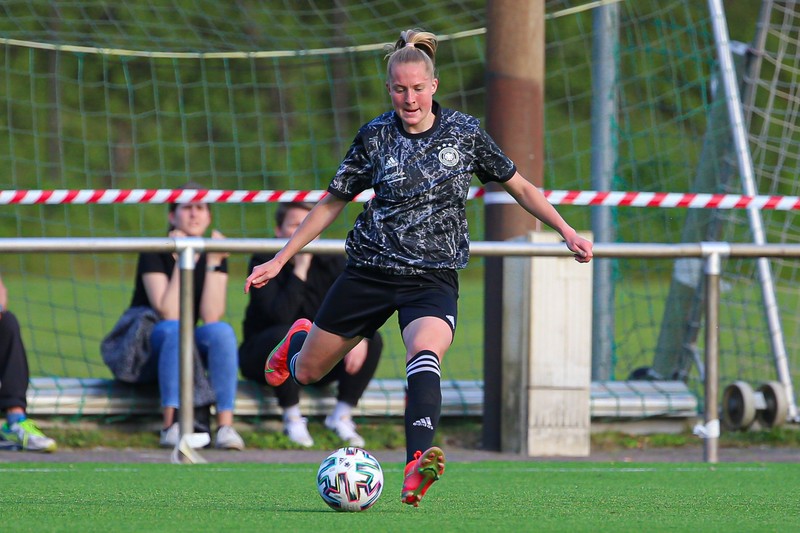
191,219
412,87
294,216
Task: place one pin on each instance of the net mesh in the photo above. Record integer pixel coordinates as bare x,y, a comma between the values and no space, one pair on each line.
268,95
771,98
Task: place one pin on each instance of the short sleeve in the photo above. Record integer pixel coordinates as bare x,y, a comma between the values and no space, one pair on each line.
155,262
491,163
355,172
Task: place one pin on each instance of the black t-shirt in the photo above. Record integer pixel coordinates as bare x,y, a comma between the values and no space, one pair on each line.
417,220
286,297
165,263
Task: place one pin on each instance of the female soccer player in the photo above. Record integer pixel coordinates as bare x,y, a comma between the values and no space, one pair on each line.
406,246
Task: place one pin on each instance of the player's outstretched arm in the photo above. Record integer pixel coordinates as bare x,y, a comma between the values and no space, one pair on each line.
533,201
320,217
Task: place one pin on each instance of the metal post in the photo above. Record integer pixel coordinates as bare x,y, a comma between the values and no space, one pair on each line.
604,110
748,185
711,418
186,340
515,47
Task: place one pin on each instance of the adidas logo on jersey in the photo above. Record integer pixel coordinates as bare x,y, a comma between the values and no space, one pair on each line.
424,422
391,162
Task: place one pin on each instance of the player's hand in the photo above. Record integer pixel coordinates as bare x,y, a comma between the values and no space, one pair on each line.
262,274
582,248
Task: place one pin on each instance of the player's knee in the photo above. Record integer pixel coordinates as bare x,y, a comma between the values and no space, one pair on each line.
306,376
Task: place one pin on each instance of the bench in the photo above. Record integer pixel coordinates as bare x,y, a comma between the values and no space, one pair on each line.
610,400
642,399
97,396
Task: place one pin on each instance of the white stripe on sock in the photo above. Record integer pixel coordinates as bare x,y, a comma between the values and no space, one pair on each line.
424,363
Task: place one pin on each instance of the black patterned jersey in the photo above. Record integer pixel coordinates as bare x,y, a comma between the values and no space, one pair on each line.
416,222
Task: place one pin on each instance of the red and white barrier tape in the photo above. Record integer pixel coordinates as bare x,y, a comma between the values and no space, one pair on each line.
659,199
555,197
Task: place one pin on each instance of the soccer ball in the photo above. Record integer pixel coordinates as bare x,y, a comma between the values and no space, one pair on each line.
350,479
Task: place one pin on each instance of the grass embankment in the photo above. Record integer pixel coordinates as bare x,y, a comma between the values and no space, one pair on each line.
388,434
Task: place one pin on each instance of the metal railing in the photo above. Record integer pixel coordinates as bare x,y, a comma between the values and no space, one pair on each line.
711,253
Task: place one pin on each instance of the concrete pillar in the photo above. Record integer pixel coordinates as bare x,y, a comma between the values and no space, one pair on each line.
547,354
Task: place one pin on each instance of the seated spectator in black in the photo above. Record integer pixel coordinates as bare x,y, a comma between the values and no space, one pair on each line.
19,432
297,292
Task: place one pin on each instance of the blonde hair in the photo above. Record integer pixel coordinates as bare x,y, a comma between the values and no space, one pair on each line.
413,46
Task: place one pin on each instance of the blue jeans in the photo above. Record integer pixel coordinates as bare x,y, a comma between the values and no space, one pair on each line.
217,345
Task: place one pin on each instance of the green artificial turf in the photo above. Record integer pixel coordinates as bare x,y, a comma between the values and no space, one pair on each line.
483,496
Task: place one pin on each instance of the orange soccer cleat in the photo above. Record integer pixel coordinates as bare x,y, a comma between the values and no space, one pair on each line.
276,371
421,473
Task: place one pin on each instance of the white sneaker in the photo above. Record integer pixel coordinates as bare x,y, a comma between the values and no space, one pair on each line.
296,428
169,437
229,439
345,428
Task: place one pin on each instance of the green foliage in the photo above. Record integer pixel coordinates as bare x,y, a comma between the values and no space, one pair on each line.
784,436
259,433
251,123
74,119
787,435
89,432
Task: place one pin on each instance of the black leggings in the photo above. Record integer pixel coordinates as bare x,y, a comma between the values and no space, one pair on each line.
253,356
13,364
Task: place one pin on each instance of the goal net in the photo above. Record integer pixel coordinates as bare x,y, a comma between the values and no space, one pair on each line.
268,95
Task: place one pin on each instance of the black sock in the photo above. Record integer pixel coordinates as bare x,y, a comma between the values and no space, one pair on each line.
423,402
295,343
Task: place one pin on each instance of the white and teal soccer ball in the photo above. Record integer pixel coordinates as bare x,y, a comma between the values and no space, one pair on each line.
350,479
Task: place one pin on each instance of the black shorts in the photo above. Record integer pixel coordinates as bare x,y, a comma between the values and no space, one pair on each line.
361,300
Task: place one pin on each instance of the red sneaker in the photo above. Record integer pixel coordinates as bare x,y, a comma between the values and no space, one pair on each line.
276,371
421,473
